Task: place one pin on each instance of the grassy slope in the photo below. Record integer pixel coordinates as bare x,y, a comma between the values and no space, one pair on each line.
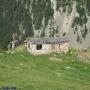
28,72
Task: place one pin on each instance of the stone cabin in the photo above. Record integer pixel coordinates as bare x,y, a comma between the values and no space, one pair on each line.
47,45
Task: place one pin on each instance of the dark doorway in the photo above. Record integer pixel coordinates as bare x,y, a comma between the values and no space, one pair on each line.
39,47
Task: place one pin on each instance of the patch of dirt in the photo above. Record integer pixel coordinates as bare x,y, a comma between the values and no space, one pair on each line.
84,56
55,59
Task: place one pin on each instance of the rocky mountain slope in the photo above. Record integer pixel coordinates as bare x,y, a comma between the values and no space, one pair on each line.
20,19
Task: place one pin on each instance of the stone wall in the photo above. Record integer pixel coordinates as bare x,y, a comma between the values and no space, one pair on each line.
64,47
48,48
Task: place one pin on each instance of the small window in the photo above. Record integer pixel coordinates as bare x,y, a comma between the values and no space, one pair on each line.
28,45
39,47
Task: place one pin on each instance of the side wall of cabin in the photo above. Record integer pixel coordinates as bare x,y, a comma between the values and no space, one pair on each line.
64,47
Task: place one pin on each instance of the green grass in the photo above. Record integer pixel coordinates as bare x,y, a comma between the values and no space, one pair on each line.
28,72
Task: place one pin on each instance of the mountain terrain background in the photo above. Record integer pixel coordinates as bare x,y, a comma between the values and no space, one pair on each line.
20,19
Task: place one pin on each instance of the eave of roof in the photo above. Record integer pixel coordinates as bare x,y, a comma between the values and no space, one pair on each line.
51,40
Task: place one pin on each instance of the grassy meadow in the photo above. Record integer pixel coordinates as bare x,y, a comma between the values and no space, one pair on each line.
46,72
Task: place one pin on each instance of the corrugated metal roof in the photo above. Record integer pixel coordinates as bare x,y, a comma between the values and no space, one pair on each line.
51,40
